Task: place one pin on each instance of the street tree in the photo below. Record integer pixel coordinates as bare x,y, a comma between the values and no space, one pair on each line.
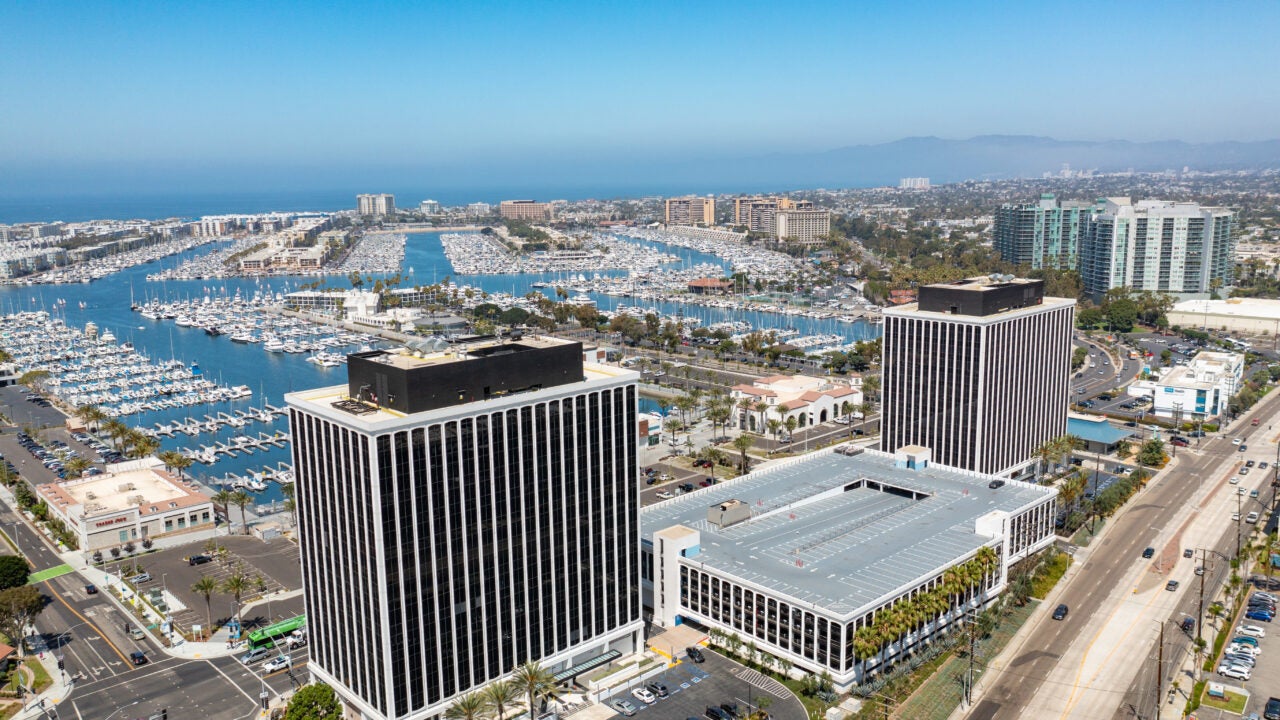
242,499
19,607
314,702
205,587
14,571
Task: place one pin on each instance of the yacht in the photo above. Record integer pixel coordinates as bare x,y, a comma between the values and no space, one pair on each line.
272,345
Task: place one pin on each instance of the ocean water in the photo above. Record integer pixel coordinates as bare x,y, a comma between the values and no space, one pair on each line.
107,303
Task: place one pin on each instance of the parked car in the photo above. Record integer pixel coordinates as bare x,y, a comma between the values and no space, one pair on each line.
1259,615
199,559
140,578
664,495
623,706
659,689
1272,710
1235,672
1245,640
995,484
1251,631
644,696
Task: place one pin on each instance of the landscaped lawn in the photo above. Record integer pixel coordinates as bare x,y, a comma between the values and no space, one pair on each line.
1233,703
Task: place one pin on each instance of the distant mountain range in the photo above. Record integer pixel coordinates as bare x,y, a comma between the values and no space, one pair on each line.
988,156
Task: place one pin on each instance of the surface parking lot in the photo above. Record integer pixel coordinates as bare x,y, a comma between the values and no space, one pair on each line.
275,561
1265,681
694,686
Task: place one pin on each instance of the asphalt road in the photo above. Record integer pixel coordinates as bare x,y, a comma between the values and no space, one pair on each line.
1106,567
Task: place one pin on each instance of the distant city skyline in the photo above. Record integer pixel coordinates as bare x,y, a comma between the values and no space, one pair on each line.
145,97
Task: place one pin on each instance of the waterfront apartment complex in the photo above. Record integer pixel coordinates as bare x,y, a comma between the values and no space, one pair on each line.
804,559
802,225
379,204
977,370
462,510
691,210
1157,245
783,218
1042,234
526,211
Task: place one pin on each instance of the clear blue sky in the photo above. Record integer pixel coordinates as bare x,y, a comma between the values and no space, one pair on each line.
442,85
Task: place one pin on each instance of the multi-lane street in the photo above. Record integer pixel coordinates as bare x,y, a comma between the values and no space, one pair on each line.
91,634
1050,660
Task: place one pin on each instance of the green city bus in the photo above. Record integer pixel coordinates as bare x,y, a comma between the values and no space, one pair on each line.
268,636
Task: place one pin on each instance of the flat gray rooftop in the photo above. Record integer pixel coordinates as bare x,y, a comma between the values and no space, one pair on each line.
820,536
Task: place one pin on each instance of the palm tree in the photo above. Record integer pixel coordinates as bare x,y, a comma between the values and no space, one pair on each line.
236,585
92,416
864,408
468,707
742,444
242,499
987,560
116,430
205,587
761,407
533,681
76,466
774,426
290,505
224,498
791,423
168,457
500,696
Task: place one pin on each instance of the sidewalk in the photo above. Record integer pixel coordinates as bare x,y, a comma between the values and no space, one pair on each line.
63,684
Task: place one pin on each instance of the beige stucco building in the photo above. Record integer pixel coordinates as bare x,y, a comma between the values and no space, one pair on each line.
135,501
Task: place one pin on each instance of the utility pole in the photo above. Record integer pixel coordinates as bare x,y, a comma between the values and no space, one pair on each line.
1160,671
1204,570
973,632
1238,496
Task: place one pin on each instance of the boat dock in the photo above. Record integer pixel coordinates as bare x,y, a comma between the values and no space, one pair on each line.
208,454
192,427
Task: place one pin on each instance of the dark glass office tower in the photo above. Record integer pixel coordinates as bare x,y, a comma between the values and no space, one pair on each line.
977,371
463,511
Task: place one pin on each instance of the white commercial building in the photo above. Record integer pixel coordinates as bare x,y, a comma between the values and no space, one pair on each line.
803,559
464,511
133,502
802,225
811,400
1199,390
1255,316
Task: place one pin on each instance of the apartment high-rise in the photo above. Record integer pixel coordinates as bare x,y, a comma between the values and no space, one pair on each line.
760,214
1043,234
1157,245
463,510
379,204
691,210
526,210
807,225
977,371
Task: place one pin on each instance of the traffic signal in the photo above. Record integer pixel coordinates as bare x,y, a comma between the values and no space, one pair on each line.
62,665
266,701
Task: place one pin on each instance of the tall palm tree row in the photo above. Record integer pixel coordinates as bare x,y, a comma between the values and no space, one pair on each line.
960,585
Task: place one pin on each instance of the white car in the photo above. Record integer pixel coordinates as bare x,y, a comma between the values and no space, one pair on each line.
1266,596
1251,630
278,662
1235,479
1235,672
1249,650
643,695
1235,441
663,494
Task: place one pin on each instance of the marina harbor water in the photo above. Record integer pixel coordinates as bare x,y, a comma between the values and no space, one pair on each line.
170,367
